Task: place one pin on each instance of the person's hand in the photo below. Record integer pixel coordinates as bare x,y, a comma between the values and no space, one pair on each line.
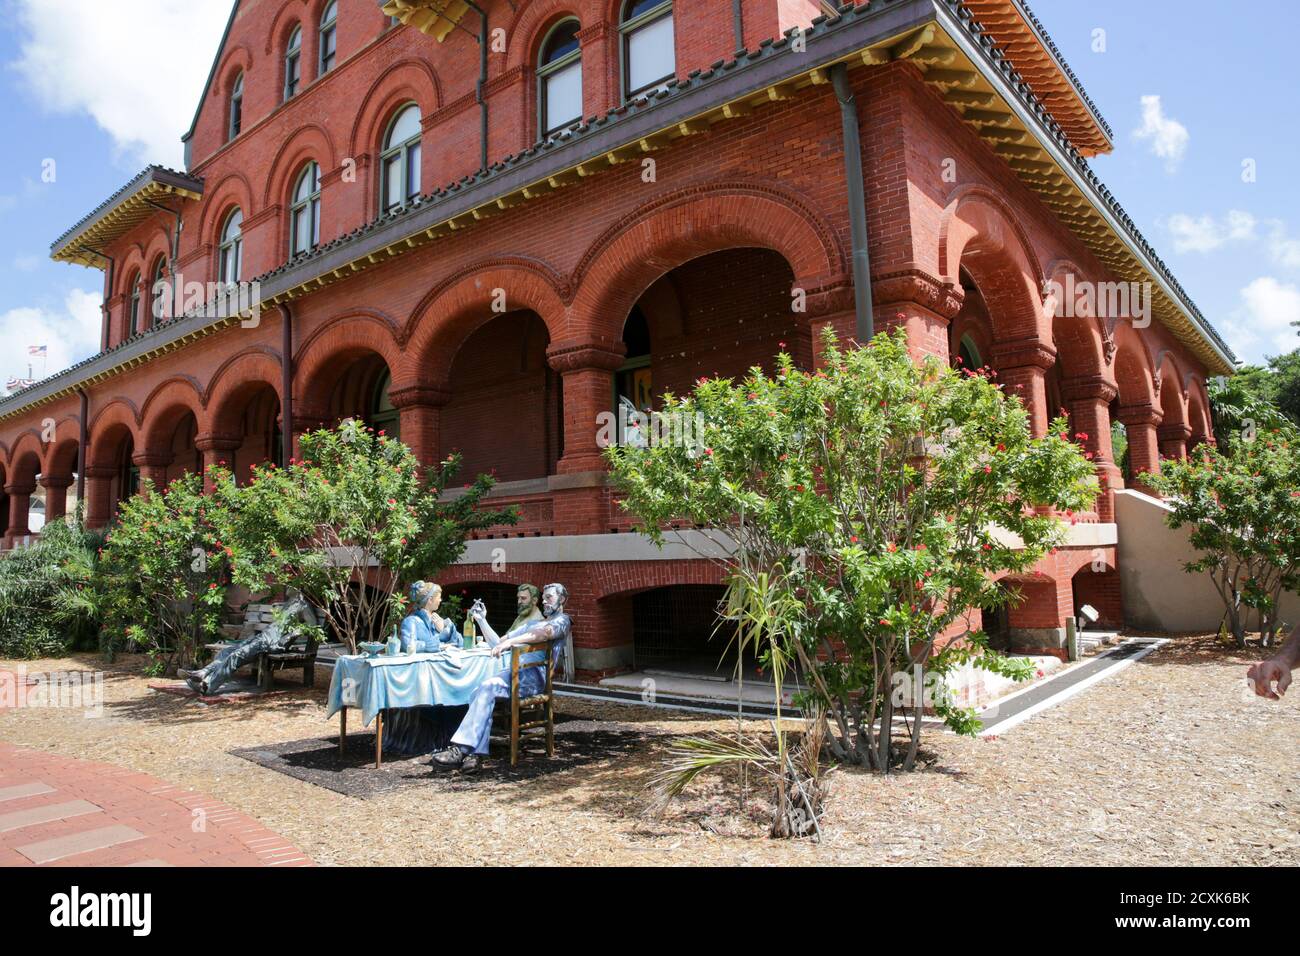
1267,673
500,648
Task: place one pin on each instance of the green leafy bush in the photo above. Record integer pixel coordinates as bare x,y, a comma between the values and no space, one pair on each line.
872,503
163,573
46,598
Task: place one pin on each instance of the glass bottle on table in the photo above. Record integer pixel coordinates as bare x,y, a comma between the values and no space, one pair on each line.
470,633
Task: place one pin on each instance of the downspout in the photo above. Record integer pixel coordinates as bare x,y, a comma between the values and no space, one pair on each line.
738,21
286,385
172,256
866,320
481,89
108,292
83,439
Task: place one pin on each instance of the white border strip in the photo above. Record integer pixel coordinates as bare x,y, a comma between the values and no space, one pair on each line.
1073,689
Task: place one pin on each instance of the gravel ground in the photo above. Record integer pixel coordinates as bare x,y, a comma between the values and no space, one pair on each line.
1171,761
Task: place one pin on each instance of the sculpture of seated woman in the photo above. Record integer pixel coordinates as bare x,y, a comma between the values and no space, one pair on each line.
424,626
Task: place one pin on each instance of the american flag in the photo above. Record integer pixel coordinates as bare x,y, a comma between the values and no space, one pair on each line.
36,350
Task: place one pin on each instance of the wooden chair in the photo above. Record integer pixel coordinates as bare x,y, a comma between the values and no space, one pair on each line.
529,715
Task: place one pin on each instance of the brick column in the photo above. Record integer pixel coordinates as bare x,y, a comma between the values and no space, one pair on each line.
153,466
1173,440
56,496
1088,401
20,499
99,489
578,486
216,449
420,408
920,303
1140,423
1022,369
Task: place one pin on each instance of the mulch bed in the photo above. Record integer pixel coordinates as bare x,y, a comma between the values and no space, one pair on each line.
317,761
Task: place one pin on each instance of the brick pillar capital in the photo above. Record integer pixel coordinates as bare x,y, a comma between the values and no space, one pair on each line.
1089,387
944,299
55,481
214,442
427,396
1021,353
1132,416
574,355
20,488
1175,432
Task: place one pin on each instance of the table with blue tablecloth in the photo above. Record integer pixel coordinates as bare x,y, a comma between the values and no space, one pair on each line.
447,678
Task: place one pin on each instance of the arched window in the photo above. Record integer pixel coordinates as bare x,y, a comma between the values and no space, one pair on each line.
236,107
304,219
159,293
329,36
400,163
231,259
293,64
969,353
559,79
133,307
649,56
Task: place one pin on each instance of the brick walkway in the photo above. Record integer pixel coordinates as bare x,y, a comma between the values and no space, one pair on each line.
64,812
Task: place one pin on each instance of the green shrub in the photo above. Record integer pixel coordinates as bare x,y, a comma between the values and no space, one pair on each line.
46,605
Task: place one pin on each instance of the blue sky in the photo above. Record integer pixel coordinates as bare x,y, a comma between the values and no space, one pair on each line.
105,88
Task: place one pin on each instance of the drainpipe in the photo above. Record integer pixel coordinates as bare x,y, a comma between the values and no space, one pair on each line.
108,292
481,89
866,320
172,257
83,439
286,385
738,20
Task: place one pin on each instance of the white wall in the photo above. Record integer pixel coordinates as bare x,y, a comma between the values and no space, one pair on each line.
1158,593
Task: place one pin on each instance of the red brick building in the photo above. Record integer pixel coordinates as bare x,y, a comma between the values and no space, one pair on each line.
633,194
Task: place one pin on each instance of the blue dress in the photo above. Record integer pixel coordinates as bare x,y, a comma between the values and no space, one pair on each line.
418,626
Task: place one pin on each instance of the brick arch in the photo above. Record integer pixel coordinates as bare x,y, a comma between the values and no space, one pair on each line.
133,262
163,410
981,233
534,21
117,420
624,578
335,345
308,143
621,264
453,309
408,80
231,191
1134,368
1198,410
295,13
61,456
238,59
1173,401
237,380
1084,345
25,459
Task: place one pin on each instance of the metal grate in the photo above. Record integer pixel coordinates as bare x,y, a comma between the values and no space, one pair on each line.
678,624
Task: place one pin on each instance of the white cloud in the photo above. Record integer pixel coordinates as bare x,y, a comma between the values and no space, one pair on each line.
1168,137
27,263
70,333
1263,323
1284,249
138,73
1205,234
